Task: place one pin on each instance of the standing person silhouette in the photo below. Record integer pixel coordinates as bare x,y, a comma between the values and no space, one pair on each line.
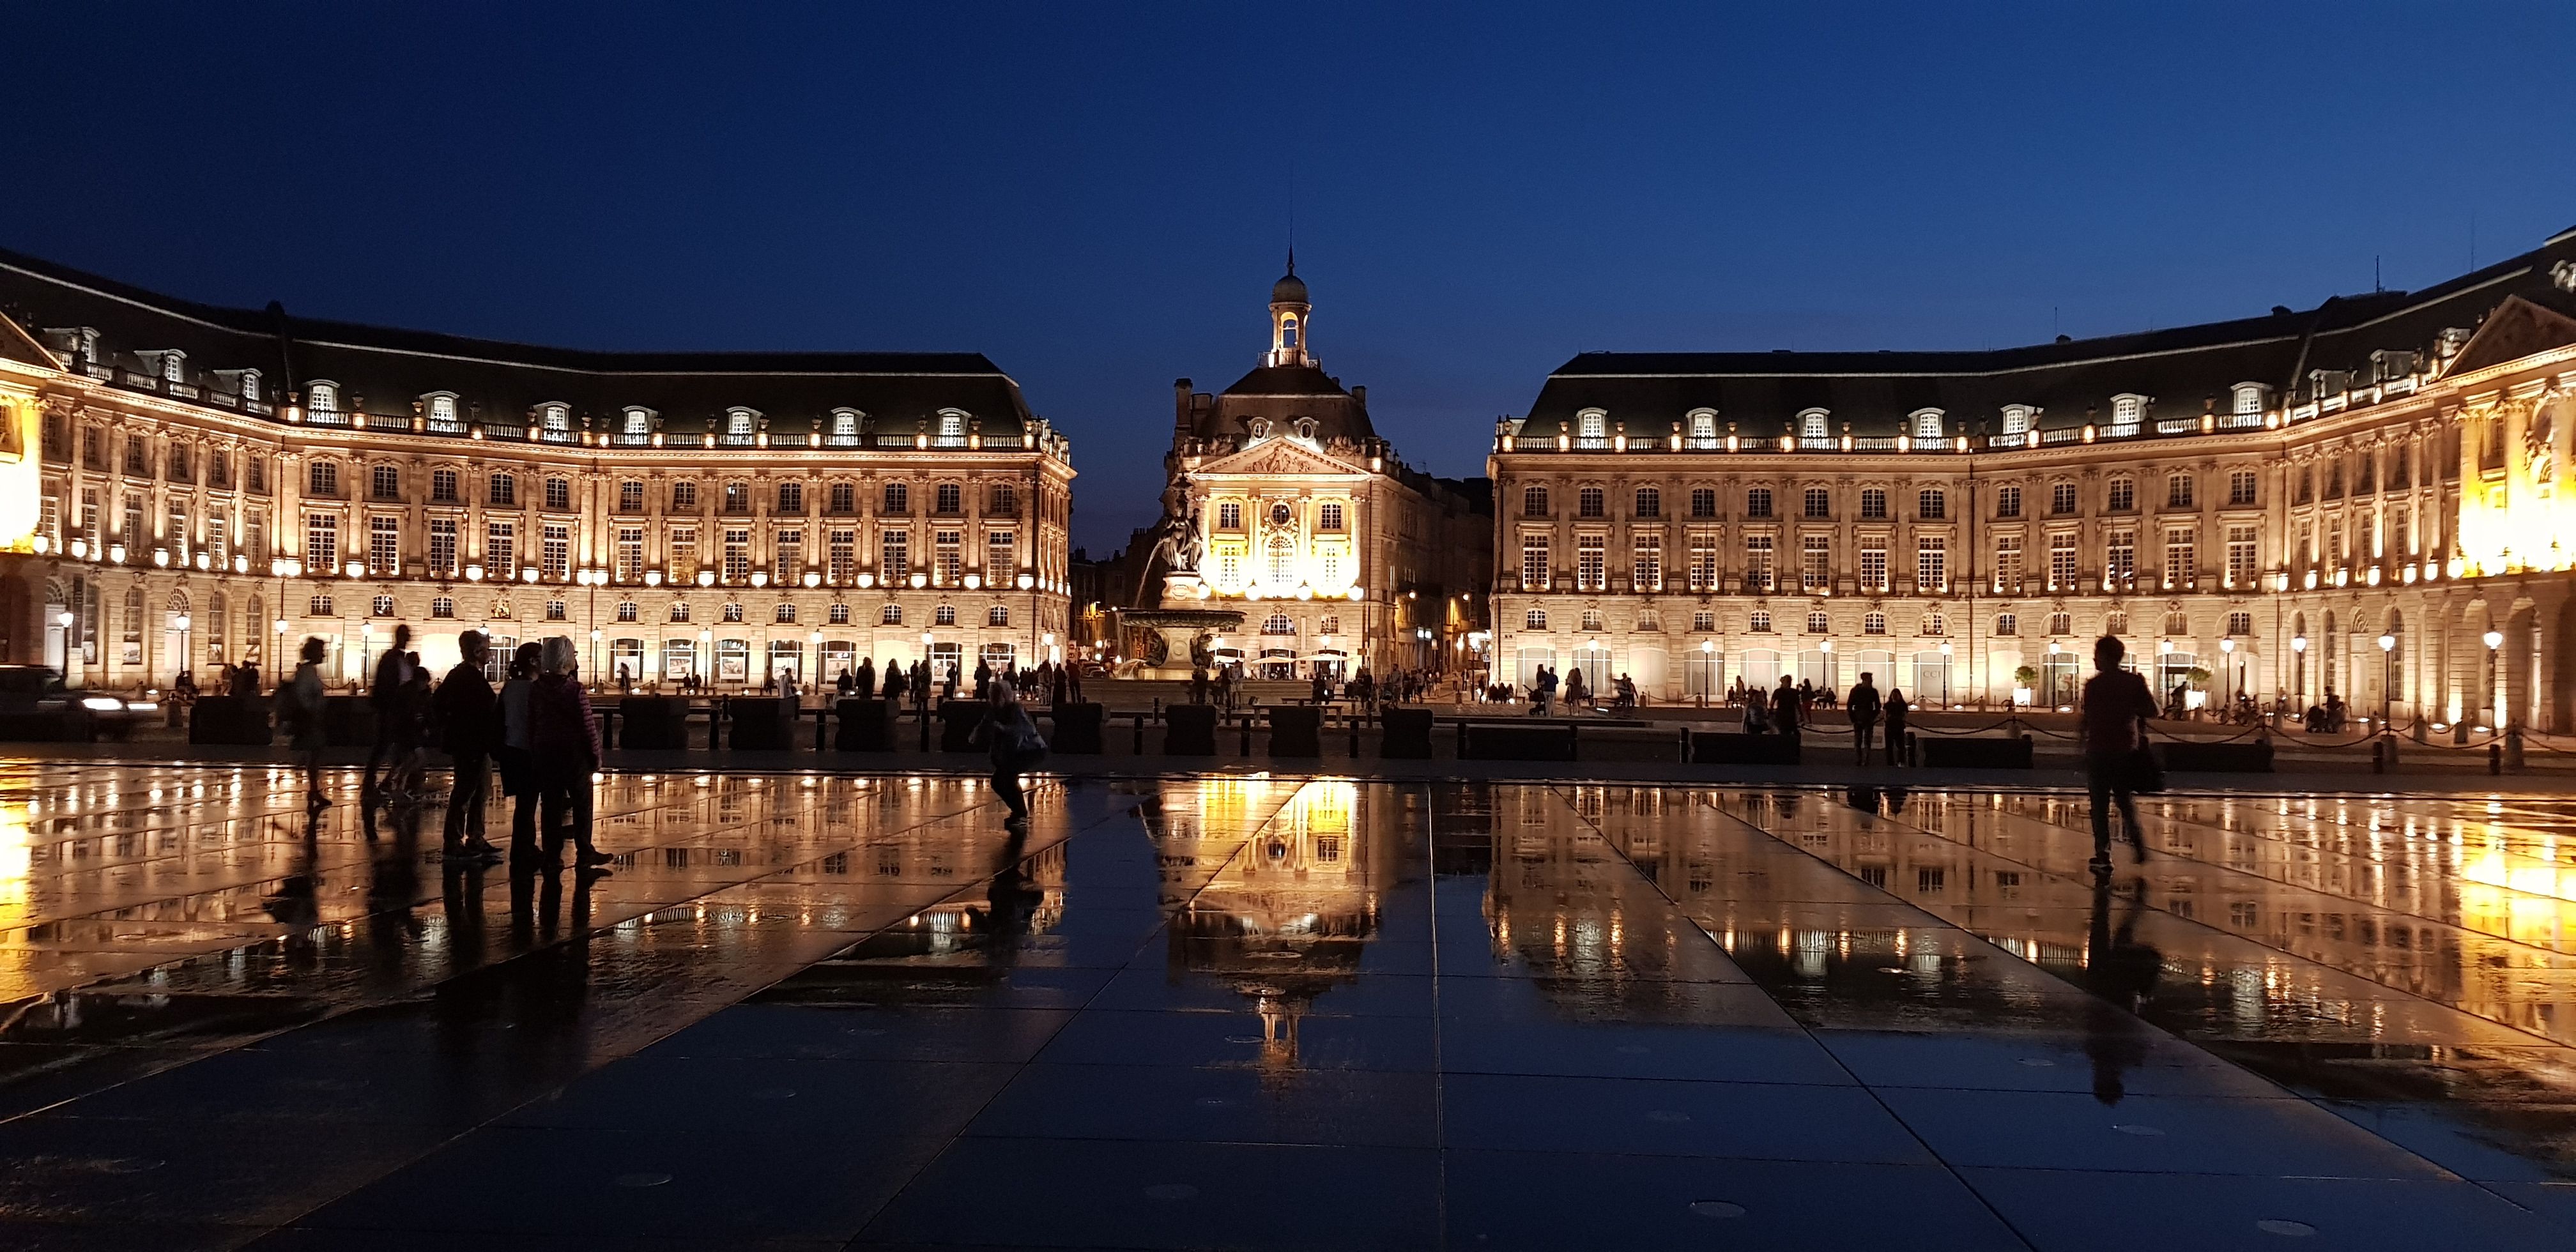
397,722
567,747
515,749
468,715
2111,731
1864,707
1786,709
1014,746
299,706
1896,710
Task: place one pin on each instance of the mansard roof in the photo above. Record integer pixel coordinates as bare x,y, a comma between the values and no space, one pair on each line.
386,368
2349,338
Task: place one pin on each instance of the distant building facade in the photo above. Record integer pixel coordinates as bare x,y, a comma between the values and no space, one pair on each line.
188,487
2366,499
1339,555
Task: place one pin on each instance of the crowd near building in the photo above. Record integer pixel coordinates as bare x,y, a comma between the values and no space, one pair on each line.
2365,500
185,487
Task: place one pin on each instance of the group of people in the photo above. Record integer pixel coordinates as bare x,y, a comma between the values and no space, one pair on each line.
537,728
1544,688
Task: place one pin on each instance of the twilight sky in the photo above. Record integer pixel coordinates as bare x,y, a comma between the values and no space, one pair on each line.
1098,196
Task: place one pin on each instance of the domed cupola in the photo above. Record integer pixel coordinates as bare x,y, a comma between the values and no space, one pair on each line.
1289,314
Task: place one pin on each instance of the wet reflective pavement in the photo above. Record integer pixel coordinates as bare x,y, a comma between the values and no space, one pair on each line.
1250,1011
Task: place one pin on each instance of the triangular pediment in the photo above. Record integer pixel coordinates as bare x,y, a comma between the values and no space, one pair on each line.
2516,329
1276,456
18,345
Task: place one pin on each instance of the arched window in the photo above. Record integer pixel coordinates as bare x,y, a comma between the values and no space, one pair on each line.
1703,425
1814,424
322,397
2127,410
2016,419
738,422
952,424
1278,624
1650,502
890,615
998,615
639,423
1533,501
1760,623
1535,619
2249,399
845,423
1927,424
1592,424
1288,332
1935,624
1873,623
172,363
556,419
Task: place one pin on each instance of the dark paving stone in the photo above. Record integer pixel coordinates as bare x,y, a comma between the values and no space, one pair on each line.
2487,1141
1760,1121
2147,1133
1555,1200
868,1033
1106,1193
272,1090
2087,1211
674,1182
1101,1037
107,1236
308,1239
896,1099
1356,1108
1316,994
2142,1061
183,1172
1707,1053
860,985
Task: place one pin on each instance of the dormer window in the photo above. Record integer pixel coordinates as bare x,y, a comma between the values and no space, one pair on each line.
636,423
2248,399
322,397
952,424
2128,410
845,424
1927,424
738,421
554,419
173,366
1592,424
1815,424
1703,425
250,385
441,410
2016,419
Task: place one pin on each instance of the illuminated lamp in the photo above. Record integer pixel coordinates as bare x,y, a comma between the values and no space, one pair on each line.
161,557
1027,581
473,573
867,580
116,553
652,578
813,578
760,578
706,578
920,580
974,581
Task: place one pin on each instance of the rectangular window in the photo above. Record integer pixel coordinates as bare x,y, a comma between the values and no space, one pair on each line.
1703,560
2180,560
2244,554
1229,516
2178,491
321,542
1932,564
845,498
504,491
2008,560
630,497
2061,562
949,553
176,536
2400,538
684,555
1328,517
1646,573
1001,559
442,547
1591,562
2008,502
2120,558
844,554
384,546
1933,504
787,558
1873,564
1758,567
501,550
1534,563
1873,504
684,497
1004,501
1816,562
737,555
1703,502
323,479
898,498
2240,487
442,486
2061,500
630,554
894,562
791,497
557,550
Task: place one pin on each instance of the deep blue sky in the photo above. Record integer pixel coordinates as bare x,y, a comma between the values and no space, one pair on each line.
1099,198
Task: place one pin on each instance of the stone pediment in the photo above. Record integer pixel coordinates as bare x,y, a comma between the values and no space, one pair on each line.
2516,329
1275,457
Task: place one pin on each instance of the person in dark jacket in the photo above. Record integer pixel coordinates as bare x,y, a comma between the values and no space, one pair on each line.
1896,710
1785,708
1864,706
514,748
468,723
567,747
2110,729
397,722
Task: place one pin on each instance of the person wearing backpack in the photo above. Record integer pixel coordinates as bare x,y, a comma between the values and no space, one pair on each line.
299,708
1012,742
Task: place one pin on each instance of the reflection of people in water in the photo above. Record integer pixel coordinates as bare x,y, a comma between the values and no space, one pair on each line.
1011,900
2121,973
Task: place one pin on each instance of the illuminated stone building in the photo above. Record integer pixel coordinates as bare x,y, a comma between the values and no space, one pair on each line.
2366,498
1338,554
188,484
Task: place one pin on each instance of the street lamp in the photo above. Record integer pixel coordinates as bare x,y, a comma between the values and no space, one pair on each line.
2387,680
180,623
2494,640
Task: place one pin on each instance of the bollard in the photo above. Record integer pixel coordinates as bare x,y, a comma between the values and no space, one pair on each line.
1355,734
921,712
2513,748
1139,719
2378,759
2495,758
1247,734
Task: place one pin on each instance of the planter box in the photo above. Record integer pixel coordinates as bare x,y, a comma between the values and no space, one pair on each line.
1077,729
229,719
759,724
1938,752
1296,730
865,726
1406,734
1189,730
1728,747
348,722
957,722
2217,758
656,722
1508,741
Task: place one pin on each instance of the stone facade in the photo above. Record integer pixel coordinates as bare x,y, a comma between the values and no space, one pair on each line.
206,483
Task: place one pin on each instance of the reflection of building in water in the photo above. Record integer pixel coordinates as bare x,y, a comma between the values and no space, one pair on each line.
1279,909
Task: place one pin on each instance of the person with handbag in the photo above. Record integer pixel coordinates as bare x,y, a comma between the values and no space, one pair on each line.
1012,742
2112,738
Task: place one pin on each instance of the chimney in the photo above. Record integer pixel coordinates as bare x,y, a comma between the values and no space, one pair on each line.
1180,409
1359,395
